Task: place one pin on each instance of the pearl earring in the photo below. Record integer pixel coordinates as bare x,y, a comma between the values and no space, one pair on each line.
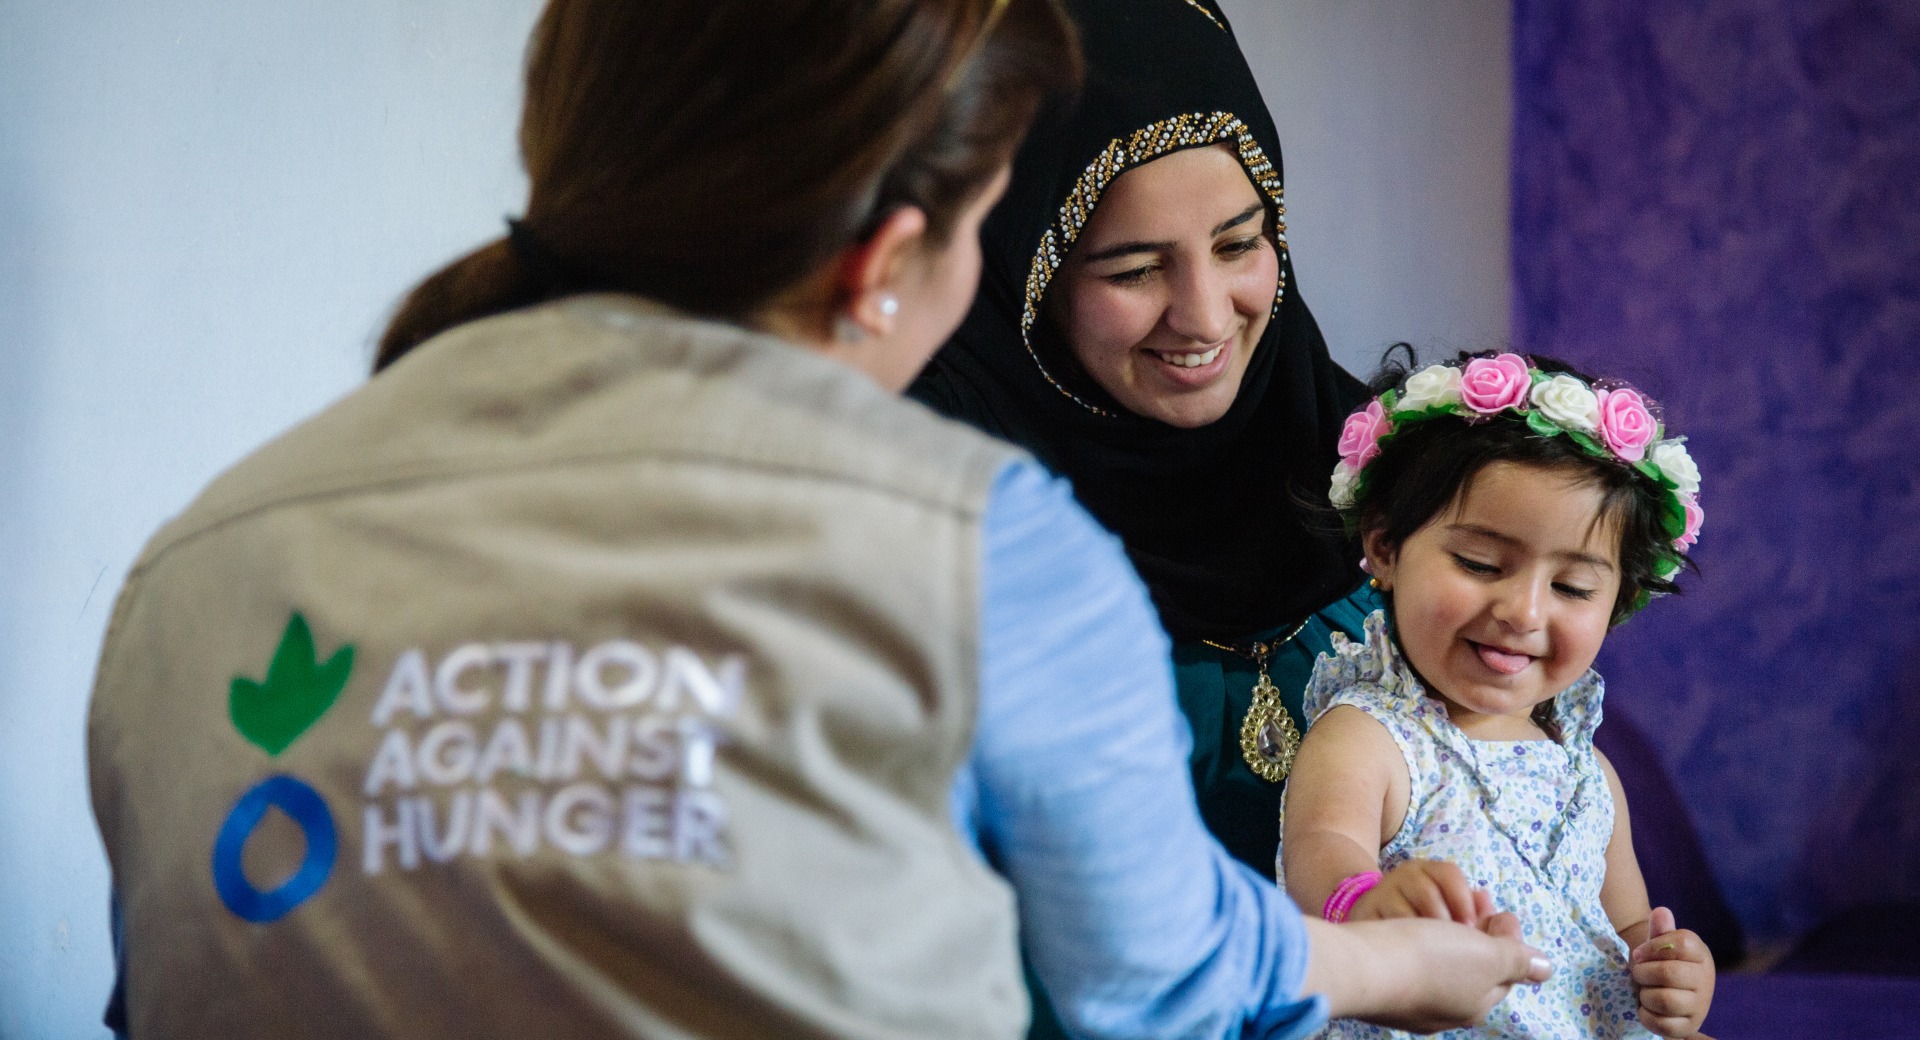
847,330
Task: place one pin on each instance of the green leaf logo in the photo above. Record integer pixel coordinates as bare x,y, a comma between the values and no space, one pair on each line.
298,690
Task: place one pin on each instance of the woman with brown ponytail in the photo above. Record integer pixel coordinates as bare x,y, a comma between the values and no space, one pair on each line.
628,659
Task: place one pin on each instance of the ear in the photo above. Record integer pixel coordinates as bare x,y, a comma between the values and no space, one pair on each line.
1380,558
868,290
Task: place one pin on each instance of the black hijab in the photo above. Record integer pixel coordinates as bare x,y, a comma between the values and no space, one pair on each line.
1211,516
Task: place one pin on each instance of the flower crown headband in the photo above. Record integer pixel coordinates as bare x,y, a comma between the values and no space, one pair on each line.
1607,420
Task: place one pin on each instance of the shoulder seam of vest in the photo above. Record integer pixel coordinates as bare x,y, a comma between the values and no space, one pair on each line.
401,478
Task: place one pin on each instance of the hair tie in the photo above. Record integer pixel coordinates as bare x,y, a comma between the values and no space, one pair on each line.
553,273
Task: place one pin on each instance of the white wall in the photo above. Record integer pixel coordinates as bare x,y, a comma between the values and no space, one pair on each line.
206,209
1395,118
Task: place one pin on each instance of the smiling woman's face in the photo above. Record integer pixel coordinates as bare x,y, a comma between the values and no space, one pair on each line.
1170,286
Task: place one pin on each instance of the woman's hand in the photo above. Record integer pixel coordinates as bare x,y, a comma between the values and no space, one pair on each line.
1421,976
1673,970
1428,888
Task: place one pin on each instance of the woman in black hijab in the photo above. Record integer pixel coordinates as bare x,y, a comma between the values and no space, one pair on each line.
1203,477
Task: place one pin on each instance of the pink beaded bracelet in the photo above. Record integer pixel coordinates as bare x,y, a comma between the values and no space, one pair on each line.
1347,893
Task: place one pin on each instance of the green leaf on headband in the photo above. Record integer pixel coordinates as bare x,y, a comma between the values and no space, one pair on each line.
1387,401
1542,425
1658,475
1673,518
1586,441
1422,414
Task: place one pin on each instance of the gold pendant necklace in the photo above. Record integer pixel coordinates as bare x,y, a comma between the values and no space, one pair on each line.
1268,737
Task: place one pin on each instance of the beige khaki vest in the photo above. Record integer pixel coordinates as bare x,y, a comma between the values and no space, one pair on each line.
624,660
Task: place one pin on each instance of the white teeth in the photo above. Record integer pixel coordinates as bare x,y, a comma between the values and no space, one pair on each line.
1191,360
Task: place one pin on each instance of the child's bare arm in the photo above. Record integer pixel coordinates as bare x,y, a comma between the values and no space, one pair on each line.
1672,967
1346,799
1623,894
1348,784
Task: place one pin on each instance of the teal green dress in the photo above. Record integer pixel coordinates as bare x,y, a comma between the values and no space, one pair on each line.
1216,689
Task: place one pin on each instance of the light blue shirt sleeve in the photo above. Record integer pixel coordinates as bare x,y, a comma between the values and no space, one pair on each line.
1137,922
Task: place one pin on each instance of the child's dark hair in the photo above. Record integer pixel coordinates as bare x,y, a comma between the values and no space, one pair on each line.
1425,467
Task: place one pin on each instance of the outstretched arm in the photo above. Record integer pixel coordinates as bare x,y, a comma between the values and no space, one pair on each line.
1420,975
1671,966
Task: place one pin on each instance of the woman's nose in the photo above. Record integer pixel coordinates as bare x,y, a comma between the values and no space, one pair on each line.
1201,307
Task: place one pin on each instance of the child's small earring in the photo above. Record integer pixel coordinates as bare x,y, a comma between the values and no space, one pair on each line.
1373,583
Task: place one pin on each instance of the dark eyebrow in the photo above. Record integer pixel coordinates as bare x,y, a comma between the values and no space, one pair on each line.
1126,248
1504,539
1235,221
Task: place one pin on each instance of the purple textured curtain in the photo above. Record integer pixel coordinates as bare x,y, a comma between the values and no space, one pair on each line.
1721,202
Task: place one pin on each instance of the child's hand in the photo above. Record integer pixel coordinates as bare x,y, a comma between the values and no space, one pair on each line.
1426,888
1674,971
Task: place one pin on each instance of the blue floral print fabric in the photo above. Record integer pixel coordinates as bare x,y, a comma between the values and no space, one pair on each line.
1528,821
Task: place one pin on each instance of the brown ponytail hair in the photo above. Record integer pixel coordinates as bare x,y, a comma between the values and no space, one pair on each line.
711,153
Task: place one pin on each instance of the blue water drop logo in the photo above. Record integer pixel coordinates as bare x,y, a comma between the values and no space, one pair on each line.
306,808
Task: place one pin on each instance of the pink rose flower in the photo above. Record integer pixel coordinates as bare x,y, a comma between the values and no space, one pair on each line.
1360,438
1625,424
1490,385
1695,517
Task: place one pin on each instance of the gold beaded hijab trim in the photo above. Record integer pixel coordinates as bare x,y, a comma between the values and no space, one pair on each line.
1123,154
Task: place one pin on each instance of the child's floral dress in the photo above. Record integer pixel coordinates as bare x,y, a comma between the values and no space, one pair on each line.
1528,821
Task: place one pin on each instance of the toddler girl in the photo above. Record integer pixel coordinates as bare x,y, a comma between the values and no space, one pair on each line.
1511,513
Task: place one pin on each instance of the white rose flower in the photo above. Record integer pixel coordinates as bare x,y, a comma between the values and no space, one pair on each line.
1433,385
1341,493
1673,460
1568,402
